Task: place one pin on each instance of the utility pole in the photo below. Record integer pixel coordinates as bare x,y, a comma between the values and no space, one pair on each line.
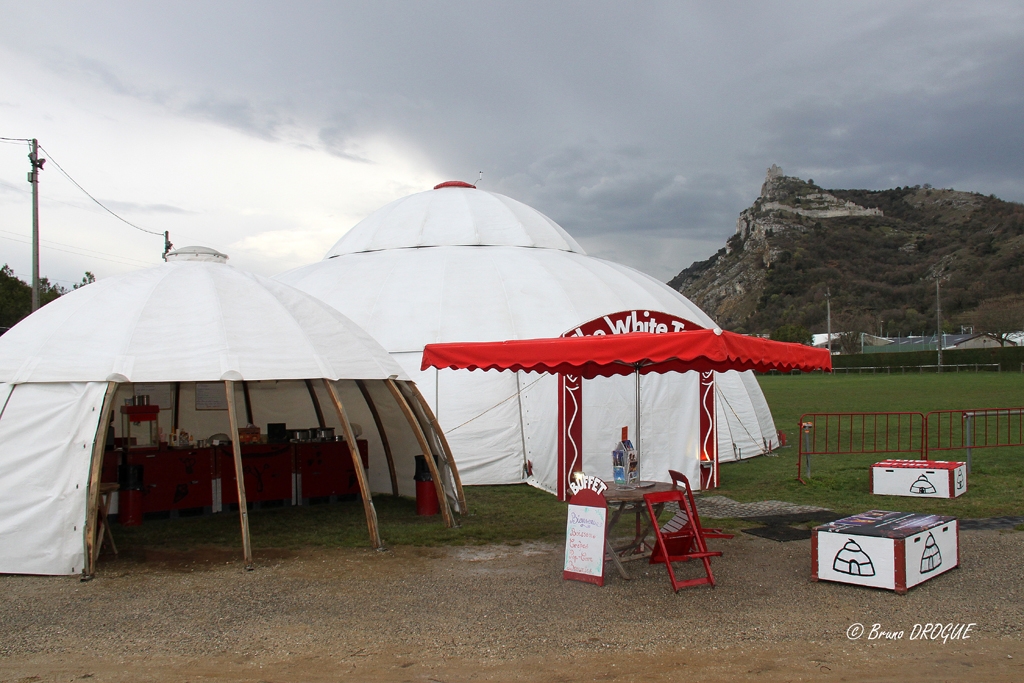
938,322
33,177
828,313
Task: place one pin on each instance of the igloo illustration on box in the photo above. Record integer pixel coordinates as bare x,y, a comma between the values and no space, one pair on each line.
883,549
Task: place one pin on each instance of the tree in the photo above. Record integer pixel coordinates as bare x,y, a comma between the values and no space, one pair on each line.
16,295
999,317
792,333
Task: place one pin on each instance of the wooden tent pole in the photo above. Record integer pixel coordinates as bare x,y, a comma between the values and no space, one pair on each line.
236,447
459,493
357,462
316,404
428,454
92,504
383,434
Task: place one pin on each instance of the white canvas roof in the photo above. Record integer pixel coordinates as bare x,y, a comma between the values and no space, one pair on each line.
189,321
440,266
457,215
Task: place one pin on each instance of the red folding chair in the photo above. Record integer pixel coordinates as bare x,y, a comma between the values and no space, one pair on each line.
680,481
682,538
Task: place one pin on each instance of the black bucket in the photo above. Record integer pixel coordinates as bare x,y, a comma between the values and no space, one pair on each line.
129,477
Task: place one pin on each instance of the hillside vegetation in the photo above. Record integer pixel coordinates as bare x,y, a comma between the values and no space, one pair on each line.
877,253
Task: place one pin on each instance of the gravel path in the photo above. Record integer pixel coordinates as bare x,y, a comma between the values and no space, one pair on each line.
502,612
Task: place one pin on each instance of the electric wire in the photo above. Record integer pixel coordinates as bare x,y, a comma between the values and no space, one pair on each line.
504,400
98,202
84,250
68,251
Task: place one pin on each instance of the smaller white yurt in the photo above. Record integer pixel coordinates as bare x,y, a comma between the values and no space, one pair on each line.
217,358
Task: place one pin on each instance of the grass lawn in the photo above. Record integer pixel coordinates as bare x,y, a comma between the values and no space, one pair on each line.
840,482
498,514
513,514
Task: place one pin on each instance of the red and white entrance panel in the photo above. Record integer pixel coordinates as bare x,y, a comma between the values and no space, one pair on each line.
882,549
919,478
570,395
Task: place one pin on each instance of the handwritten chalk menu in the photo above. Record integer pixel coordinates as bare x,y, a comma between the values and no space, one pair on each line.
211,396
585,537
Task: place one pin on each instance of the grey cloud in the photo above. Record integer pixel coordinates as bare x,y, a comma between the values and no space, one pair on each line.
644,130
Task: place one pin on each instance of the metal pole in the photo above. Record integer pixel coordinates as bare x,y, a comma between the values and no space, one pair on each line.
828,311
807,446
33,177
969,436
938,322
639,467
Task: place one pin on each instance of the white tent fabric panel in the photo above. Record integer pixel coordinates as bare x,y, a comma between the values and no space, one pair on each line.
761,410
484,434
741,431
407,298
47,432
188,321
669,437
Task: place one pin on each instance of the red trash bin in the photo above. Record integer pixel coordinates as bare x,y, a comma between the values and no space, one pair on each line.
129,498
426,493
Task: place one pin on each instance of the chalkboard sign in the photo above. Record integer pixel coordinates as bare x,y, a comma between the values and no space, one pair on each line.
211,396
585,537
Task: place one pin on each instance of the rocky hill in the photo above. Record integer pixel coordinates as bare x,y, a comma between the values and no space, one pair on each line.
877,253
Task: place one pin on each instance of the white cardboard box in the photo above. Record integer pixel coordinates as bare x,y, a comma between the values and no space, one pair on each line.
883,549
919,478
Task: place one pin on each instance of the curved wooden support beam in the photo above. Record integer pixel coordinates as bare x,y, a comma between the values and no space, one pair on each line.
92,499
357,462
428,453
459,493
236,449
383,434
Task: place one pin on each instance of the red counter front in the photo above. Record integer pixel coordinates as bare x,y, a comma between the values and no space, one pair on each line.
187,478
174,479
326,469
268,473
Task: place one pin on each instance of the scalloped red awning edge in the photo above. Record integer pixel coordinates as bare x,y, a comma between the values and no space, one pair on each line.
606,356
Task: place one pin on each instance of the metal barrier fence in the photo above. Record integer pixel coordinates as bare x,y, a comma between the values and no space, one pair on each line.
848,433
902,369
913,435
965,430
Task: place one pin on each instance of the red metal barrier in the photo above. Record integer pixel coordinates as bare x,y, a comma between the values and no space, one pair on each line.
855,433
965,430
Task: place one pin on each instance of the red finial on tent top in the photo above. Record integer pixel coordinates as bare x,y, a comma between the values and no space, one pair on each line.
454,183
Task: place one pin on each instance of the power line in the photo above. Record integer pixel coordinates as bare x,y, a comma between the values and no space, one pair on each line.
98,202
85,252
67,251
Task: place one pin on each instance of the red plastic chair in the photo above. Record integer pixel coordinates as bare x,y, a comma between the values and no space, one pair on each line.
681,539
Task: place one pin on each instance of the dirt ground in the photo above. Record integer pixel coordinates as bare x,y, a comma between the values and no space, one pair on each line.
503,613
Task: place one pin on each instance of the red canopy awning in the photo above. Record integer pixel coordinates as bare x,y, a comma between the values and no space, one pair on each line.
624,354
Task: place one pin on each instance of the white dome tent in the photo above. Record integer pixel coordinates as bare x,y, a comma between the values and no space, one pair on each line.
190,322
461,264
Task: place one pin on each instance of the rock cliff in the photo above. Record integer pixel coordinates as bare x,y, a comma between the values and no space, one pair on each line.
876,252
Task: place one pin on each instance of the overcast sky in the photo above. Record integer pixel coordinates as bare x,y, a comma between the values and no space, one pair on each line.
268,129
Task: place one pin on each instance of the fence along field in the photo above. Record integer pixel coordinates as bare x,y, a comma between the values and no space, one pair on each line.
911,435
840,482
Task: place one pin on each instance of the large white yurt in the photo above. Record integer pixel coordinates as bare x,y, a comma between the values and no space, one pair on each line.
457,263
210,339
